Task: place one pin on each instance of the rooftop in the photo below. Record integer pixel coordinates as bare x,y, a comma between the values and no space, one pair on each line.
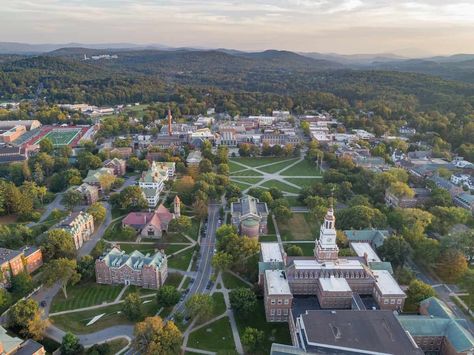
312,264
333,284
271,252
386,283
371,332
277,283
362,249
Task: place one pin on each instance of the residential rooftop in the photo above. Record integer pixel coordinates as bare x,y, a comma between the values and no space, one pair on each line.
271,252
386,283
277,283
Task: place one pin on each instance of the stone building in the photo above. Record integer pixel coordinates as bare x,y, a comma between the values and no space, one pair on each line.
80,225
250,215
119,166
89,193
149,224
117,267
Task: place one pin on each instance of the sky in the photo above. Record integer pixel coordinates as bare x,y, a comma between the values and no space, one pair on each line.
405,27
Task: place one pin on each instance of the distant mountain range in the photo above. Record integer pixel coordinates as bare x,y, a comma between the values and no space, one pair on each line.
159,59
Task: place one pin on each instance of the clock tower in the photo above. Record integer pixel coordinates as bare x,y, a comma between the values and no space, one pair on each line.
326,248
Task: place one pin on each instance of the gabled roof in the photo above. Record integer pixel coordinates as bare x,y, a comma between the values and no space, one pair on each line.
136,260
437,308
375,236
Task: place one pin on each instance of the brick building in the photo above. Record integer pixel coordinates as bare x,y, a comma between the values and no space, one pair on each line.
249,215
80,225
14,262
118,166
117,267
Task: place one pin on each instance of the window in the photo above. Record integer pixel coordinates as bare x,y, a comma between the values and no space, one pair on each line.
279,301
278,312
392,301
385,301
399,301
287,301
285,312
272,301
272,312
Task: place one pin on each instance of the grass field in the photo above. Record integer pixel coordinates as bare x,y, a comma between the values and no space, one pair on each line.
303,182
76,322
249,180
299,227
256,162
181,260
219,304
216,337
277,167
267,238
281,186
308,248
273,332
85,295
303,168
231,282
61,137
241,185
246,172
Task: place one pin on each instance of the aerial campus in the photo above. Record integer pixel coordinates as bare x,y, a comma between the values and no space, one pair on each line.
283,234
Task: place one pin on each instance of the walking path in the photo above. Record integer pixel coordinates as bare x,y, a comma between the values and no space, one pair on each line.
276,176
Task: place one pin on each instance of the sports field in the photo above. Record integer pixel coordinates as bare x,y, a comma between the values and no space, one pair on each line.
61,137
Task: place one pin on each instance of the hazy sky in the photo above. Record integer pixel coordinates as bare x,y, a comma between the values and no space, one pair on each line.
410,27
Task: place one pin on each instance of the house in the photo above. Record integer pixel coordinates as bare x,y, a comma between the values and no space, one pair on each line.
250,215
89,193
117,267
121,152
119,166
421,196
11,345
463,180
437,330
465,200
447,185
94,176
149,224
14,262
194,158
80,225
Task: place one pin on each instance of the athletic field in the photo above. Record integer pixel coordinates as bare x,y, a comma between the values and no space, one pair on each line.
61,137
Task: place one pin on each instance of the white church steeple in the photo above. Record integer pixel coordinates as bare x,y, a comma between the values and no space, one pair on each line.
326,248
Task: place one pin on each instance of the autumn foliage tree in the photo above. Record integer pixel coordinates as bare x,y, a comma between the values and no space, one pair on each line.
452,265
154,337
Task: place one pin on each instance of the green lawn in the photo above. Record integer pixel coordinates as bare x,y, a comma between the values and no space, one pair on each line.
308,248
173,279
303,182
299,227
234,167
293,201
242,186
85,295
219,304
231,282
76,322
194,232
281,186
277,167
246,172
469,301
273,332
248,180
256,162
181,260
303,168
114,232
216,337
270,225
143,248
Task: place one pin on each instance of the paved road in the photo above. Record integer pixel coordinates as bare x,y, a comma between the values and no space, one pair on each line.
55,204
206,252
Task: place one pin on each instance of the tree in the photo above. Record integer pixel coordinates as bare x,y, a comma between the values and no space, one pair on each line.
21,284
153,337
222,261
106,181
252,338
167,296
446,217
426,250
467,283
5,299
25,316
396,250
360,217
294,250
98,212
36,326
46,145
463,242
71,199
452,265
130,198
181,224
205,166
200,306
440,197
70,345
58,244
223,169
400,189
62,270
86,267
243,301
200,208
418,291
132,306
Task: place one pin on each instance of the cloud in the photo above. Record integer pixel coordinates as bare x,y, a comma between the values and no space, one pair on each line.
323,25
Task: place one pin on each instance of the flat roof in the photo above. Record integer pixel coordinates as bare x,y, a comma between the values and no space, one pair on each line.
386,283
277,283
369,332
312,264
364,248
335,284
271,252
